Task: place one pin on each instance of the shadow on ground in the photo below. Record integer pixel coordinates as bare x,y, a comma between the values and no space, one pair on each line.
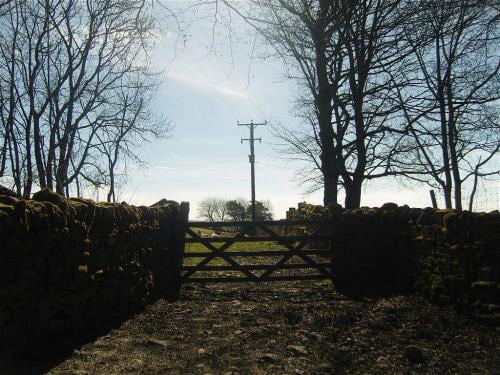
44,355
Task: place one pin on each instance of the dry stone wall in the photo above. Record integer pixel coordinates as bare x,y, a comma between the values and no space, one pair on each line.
70,264
459,261
450,257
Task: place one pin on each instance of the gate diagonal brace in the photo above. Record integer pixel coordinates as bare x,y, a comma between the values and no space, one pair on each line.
219,252
216,252
294,250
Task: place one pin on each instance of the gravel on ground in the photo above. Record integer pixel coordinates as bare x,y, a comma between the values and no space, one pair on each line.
290,328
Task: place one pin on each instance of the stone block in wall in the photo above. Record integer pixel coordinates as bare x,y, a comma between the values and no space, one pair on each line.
48,196
486,291
5,191
486,274
460,227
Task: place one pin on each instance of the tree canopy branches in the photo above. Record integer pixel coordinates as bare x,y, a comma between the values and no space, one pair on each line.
75,91
218,209
390,88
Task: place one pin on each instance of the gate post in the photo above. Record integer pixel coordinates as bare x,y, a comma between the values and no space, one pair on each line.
176,252
334,211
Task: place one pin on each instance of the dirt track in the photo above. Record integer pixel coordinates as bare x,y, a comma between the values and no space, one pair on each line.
289,328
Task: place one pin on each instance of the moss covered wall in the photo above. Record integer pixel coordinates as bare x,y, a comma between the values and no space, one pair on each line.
70,264
450,257
458,261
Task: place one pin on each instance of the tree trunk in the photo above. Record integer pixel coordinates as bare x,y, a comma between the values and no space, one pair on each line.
353,194
66,144
3,156
323,103
15,162
37,145
331,178
77,183
444,129
28,182
452,139
111,192
353,199
473,192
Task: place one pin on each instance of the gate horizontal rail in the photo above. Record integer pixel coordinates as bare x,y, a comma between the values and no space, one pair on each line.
261,253
291,266
235,279
258,238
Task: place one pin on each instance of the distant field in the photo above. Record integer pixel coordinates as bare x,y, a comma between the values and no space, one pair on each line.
239,246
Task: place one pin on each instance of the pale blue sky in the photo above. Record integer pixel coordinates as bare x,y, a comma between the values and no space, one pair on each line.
204,94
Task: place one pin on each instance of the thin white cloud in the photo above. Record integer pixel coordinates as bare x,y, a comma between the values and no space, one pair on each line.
206,85
162,167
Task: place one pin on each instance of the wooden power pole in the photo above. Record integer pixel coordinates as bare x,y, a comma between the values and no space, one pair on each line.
251,158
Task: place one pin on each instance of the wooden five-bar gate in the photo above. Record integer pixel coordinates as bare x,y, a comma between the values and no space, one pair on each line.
257,251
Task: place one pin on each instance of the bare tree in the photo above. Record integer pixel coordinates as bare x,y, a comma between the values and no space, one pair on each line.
376,75
213,209
66,64
130,125
15,155
295,29
452,105
345,54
